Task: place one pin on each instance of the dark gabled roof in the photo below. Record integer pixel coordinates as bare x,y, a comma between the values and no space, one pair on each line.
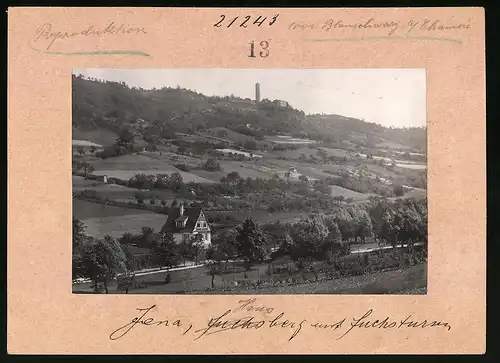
191,214
181,218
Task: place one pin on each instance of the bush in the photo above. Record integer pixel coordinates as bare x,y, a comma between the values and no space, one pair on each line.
212,165
90,194
183,167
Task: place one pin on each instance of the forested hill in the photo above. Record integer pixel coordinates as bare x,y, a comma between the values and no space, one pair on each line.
110,107
348,128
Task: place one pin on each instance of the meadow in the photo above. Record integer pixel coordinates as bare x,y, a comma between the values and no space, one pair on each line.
102,137
120,193
116,226
196,280
347,193
85,210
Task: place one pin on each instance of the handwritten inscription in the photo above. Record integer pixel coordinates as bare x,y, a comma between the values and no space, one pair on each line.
49,35
391,27
257,316
142,320
244,22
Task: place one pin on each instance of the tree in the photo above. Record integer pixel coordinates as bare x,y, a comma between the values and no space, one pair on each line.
251,242
213,268
323,188
339,198
250,145
345,223
322,154
164,250
390,229
212,165
309,236
79,240
147,237
286,245
398,190
126,238
233,178
334,240
364,226
224,246
191,249
126,139
176,180
87,168
78,235
102,260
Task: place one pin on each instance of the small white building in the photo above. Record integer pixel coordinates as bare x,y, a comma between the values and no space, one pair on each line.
183,223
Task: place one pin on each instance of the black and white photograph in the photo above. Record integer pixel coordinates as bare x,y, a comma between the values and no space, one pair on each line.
249,181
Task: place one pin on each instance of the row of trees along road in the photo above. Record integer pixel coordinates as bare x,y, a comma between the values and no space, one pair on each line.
104,259
321,236
318,236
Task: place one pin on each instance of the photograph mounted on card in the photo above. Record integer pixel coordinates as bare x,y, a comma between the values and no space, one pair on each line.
267,181
274,184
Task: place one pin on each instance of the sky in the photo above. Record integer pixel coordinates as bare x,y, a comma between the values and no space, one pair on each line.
389,97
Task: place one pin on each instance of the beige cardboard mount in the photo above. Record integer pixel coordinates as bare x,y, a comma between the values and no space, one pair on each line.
45,44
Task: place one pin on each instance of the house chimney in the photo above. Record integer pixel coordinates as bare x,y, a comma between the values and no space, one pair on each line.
181,209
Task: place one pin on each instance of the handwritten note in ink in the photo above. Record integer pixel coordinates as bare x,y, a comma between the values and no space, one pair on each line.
378,29
48,38
251,315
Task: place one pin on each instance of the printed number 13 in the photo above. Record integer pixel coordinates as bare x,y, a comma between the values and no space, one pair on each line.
263,53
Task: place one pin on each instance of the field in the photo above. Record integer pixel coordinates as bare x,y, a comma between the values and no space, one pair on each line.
117,226
295,154
289,140
339,153
388,282
264,217
84,143
84,210
247,169
414,193
195,280
126,166
101,220
392,145
412,166
102,137
127,174
347,193
120,193
229,136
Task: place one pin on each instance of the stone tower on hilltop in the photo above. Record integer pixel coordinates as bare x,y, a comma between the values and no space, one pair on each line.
257,92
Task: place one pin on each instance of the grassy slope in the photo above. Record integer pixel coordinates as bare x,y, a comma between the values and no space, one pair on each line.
101,136
116,226
196,281
85,210
347,193
126,166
